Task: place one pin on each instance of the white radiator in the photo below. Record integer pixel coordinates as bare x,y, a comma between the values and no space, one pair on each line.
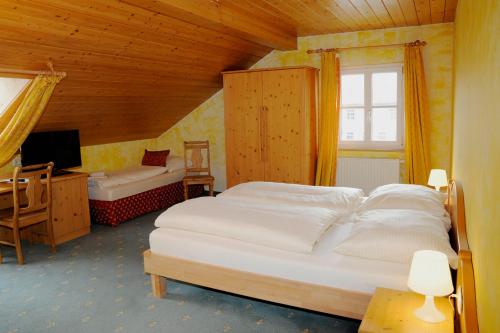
367,173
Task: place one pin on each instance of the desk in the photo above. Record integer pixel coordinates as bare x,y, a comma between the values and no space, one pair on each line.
70,209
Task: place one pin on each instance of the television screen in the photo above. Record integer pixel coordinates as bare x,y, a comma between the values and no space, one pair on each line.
60,147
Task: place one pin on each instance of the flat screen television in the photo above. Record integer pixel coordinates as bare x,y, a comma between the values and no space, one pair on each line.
60,147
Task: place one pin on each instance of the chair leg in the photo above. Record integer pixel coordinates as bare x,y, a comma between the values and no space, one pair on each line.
211,189
17,243
186,192
50,235
1,258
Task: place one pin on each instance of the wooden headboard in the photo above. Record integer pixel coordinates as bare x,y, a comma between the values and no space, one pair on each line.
465,313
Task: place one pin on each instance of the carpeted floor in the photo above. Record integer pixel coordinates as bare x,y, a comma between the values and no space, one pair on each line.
96,284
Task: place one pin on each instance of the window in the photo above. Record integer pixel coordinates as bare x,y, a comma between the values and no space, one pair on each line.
371,108
9,88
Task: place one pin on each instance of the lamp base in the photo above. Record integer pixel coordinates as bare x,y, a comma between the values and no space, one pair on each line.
428,312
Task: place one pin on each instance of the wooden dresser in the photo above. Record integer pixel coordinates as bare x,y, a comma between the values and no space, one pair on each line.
70,209
270,124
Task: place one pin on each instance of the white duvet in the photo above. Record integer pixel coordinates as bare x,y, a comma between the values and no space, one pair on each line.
338,198
284,227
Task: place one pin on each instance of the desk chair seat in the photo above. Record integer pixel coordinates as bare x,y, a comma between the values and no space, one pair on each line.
202,179
7,218
197,172
37,209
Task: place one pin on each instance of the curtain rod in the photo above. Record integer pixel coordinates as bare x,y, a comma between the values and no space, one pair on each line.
415,43
28,72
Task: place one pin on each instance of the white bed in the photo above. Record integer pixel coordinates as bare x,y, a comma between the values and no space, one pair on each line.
120,191
323,265
118,196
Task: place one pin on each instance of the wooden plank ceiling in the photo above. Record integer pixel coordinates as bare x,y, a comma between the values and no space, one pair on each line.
136,67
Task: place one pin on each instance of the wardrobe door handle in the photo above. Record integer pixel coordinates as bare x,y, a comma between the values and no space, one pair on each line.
261,131
263,124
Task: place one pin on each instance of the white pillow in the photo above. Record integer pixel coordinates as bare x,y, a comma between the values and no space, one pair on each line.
401,216
175,163
407,187
394,235
404,196
341,198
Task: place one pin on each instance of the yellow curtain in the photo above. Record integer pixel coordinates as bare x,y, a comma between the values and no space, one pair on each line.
21,116
417,158
328,120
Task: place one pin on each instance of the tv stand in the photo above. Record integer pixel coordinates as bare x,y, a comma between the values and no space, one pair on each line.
61,172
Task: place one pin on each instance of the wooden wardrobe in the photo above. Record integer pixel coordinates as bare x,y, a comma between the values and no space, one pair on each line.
270,123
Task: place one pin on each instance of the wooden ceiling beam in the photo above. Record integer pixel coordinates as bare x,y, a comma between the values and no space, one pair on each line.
38,25
132,21
226,18
102,100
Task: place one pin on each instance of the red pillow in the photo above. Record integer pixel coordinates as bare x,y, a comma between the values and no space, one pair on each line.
155,158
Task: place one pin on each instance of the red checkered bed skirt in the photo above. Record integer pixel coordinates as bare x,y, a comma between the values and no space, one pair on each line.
121,210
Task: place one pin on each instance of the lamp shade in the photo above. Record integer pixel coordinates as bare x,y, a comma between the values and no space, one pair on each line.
438,178
430,274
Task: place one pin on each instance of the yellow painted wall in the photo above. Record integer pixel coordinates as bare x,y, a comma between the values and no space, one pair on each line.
114,156
476,145
204,123
207,121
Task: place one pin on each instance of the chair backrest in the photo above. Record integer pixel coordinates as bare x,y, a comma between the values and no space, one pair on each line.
195,153
38,192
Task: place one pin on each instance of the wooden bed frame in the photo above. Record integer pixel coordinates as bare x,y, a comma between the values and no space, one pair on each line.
309,296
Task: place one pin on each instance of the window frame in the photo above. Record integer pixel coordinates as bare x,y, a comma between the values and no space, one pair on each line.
4,108
367,143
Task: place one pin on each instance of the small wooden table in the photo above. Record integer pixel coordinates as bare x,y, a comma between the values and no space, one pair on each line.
392,311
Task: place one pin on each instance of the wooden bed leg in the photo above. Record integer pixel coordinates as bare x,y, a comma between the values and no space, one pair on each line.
158,284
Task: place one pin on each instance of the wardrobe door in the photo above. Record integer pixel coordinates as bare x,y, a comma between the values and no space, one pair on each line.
285,108
242,107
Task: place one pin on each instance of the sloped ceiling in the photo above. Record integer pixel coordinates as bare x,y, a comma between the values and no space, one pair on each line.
136,67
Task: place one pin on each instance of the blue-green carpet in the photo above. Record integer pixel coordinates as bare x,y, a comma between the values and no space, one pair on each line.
96,284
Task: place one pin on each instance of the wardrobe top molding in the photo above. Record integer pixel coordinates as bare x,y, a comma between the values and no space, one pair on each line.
270,69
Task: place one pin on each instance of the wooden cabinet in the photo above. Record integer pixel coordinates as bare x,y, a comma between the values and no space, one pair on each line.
270,121
70,209
392,311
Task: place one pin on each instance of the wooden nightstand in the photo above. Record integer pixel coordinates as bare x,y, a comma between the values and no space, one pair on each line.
392,311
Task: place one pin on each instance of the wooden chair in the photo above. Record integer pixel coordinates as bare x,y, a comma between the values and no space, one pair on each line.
38,207
196,172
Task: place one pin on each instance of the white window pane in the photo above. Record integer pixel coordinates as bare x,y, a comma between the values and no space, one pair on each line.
385,88
9,88
353,89
352,124
384,124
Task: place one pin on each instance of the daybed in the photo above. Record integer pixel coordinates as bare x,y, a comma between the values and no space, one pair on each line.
289,244
119,196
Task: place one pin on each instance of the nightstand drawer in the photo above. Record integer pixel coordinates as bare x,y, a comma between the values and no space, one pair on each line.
392,311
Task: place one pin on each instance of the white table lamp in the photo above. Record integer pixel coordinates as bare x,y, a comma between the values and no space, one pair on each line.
430,275
438,178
